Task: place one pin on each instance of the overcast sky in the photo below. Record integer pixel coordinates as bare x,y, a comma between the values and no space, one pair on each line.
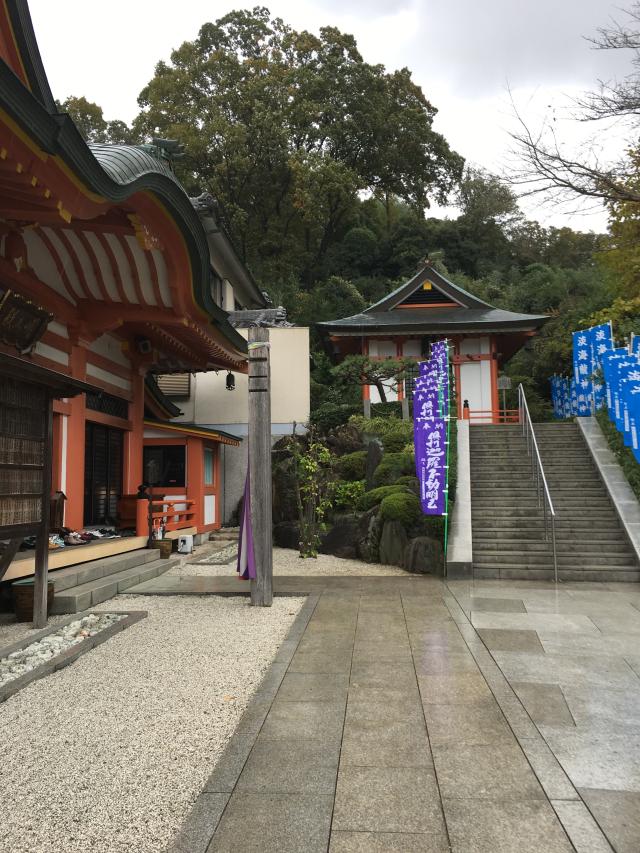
466,55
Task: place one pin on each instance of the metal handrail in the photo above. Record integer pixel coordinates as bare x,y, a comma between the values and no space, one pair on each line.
537,472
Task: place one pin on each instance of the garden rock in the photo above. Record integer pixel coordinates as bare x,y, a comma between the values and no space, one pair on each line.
424,555
393,542
344,439
374,458
342,539
369,533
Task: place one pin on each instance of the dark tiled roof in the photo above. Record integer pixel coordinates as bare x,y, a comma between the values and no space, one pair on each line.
435,320
126,163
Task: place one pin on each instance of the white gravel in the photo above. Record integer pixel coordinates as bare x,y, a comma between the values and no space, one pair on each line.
108,755
286,561
30,657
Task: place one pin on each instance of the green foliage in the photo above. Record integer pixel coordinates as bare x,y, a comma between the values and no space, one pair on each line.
352,466
357,370
390,409
347,495
372,498
623,454
393,466
403,507
330,415
91,123
394,433
410,482
286,129
314,485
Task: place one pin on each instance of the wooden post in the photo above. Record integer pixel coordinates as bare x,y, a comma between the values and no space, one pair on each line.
42,545
260,464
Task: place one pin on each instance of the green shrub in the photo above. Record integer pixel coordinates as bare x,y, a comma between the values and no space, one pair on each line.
624,455
331,415
352,466
393,466
410,482
394,433
431,526
391,410
402,507
346,496
376,496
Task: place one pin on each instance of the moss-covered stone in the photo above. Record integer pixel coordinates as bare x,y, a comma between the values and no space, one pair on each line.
393,466
402,507
352,466
376,496
410,482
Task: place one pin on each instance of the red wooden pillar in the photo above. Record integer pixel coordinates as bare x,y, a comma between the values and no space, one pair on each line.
195,479
76,438
495,397
134,438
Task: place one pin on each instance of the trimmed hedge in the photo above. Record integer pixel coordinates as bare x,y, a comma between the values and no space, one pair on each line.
624,455
369,499
331,415
393,466
410,481
402,507
352,466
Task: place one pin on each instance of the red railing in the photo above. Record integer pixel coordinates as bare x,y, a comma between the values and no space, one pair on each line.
171,515
492,416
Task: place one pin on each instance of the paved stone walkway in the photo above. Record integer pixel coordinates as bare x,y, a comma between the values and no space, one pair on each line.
408,715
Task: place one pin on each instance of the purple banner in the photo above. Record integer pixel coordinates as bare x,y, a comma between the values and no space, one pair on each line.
430,412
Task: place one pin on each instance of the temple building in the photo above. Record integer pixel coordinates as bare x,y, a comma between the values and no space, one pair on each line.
109,276
427,308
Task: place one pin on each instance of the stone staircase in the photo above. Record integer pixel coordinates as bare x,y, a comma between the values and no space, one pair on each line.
77,588
508,525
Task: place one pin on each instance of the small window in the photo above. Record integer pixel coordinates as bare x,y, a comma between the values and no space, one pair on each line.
209,469
164,465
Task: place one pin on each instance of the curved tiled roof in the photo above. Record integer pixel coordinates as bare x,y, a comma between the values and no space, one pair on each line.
126,163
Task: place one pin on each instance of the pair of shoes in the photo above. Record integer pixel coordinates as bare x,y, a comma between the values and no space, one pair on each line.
73,539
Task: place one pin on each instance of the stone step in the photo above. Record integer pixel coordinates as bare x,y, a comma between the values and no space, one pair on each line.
84,596
567,575
85,572
576,559
564,545
564,531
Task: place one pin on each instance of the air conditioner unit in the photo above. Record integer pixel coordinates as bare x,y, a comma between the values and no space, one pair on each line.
185,544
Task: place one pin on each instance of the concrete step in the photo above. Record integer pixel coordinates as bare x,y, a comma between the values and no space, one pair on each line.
85,572
567,575
576,559
83,596
486,533
563,545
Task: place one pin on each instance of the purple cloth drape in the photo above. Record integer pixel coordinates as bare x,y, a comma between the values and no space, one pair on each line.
246,567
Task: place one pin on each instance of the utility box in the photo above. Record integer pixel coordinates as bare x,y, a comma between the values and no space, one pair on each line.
185,544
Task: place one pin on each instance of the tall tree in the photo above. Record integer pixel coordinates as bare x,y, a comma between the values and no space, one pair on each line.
545,165
90,121
286,128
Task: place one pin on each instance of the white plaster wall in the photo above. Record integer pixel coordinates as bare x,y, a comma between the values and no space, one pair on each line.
212,404
383,349
475,377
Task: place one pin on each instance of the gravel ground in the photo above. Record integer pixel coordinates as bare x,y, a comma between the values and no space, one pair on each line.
12,631
108,754
288,562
